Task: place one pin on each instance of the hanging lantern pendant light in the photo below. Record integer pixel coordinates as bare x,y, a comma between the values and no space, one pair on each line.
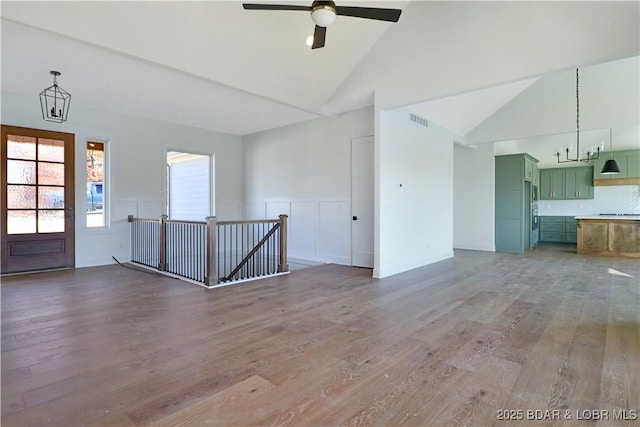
610,166
55,101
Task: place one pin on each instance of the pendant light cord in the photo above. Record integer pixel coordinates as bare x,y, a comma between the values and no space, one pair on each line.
610,145
577,116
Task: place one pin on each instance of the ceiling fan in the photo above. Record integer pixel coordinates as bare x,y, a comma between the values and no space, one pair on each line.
324,13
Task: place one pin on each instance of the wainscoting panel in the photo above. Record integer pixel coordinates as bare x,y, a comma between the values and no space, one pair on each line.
275,209
303,229
228,210
256,210
335,231
121,209
319,229
150,208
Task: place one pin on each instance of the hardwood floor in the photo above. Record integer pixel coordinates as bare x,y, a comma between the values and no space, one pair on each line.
455,343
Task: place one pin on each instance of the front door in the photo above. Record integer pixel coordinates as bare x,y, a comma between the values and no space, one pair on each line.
37,224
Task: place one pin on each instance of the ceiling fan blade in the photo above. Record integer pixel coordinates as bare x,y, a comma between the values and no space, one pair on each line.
253,6
380,14
318,37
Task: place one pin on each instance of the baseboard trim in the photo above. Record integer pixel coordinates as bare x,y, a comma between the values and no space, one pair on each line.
380,273
473,247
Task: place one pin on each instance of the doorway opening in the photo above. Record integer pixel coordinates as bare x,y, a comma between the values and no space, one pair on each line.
189,186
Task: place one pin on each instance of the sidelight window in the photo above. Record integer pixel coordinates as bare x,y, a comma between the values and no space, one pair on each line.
96,191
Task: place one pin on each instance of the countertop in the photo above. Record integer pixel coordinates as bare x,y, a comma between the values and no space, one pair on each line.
616,217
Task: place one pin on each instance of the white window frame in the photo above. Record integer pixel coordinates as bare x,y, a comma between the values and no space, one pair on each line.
106,185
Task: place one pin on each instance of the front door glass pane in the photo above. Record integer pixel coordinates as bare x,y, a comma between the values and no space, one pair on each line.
21,197
21,222
50,221
35,185
50,173
21,172
21,147
50,150
50,197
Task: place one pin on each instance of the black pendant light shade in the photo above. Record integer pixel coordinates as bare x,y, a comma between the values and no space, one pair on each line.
55,101
610,167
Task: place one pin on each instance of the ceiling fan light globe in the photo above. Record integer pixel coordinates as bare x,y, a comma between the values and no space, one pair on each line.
309,41
323,16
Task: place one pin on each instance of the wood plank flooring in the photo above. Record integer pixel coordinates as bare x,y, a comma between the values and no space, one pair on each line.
454,343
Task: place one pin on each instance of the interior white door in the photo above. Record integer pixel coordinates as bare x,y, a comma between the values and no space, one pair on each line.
362,202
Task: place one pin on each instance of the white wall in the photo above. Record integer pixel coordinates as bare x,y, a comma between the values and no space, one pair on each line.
427,55
304,170
609,98
414,193
618,199
137,150
473,197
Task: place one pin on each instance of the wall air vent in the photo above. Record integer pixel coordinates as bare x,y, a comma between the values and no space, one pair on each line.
419,120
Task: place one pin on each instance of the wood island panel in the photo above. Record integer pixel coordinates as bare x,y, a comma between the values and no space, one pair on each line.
625,236
609,237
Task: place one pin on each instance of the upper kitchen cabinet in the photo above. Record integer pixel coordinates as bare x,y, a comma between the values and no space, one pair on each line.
528,169
566,183
629,164
531,172
552,184
578,183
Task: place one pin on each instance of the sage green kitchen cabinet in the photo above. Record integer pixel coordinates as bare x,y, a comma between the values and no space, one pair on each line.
528,169
633,164
514,189
570,229
558,229
628,162
566,183
552,184
578,183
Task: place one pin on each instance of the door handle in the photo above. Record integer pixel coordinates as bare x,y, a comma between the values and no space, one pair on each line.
355,218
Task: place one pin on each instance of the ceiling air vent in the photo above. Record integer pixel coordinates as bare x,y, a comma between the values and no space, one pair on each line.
419,120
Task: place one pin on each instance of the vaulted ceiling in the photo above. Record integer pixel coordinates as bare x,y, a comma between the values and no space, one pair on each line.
216,66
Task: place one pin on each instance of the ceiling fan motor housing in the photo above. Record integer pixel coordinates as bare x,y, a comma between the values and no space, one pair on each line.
323,13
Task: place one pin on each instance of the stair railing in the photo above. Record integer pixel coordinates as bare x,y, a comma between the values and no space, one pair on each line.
211,252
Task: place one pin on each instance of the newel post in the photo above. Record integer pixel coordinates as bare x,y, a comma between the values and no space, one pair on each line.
283,265
211,274
162,239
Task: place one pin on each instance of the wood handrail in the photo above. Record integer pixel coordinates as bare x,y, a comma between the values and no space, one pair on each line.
131,218
248,221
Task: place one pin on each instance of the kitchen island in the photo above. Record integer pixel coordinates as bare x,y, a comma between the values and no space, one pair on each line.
609,235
